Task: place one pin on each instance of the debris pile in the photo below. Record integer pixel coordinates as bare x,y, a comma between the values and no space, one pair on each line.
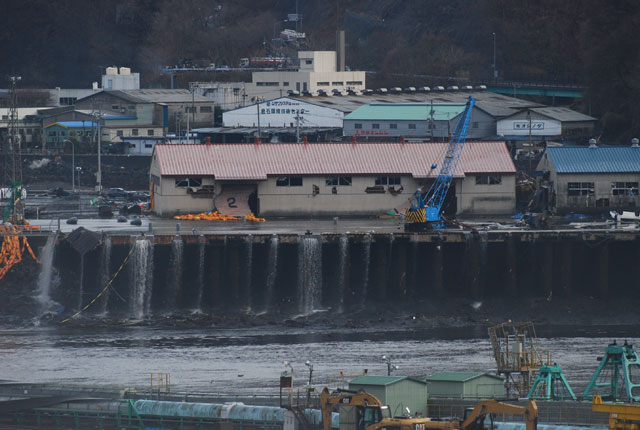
11,251
217,216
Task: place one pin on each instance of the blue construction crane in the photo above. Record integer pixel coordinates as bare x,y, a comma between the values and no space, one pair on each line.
425,211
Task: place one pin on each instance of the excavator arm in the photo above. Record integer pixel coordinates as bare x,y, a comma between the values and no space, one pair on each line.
530,413
328,400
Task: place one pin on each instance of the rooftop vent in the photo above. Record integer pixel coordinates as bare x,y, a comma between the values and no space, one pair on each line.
634,143
592,143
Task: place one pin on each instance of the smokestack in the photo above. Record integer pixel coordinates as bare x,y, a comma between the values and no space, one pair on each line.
340,50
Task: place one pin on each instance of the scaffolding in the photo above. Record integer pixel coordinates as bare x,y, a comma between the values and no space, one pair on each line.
518,356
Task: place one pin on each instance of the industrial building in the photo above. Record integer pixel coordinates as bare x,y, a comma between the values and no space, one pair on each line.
398,392
545,123
320,72
592,179
465,385
325,179
424,120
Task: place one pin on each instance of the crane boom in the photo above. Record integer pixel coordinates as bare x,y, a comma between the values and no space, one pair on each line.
426,209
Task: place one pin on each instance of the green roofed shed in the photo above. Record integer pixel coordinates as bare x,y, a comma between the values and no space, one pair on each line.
399,392
465,385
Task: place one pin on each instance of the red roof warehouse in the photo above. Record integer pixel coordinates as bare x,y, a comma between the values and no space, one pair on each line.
325,178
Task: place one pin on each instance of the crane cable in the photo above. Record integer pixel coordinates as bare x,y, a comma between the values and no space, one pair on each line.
126,260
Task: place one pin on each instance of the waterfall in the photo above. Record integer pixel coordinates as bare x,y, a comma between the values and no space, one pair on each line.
201,251
343,255
81,288
309,275
142,274
272,271
105,272
175,282
246,273
44,278
366,255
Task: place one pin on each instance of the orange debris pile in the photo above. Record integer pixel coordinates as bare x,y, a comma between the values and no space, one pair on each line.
11,251
216,216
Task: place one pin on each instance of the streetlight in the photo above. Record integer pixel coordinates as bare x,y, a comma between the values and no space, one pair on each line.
274,27
390,367
98,116
495,73
78,169
310,366
73,164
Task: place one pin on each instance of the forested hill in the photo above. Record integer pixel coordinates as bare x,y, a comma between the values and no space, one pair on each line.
596,43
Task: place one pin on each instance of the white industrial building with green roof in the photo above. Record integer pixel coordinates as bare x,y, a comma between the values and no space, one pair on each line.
416,120
399,392
465,385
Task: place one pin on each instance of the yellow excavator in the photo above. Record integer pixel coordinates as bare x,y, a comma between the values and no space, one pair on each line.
365,411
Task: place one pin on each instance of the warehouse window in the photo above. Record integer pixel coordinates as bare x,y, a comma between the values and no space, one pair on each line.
285,84
375,125
188,182
149,132
322,84
624,188
289,181
354,82
412,126
387,180
119,132
337,83
337,180
268,84
134,132
488,179
357,125
580,189
393,126
206,109
475,124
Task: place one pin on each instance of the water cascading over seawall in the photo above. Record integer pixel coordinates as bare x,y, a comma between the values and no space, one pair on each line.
292,275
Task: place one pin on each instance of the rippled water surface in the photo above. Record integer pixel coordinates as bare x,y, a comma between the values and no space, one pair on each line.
249,361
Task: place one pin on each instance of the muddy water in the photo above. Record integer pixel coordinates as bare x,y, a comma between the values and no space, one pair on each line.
249,361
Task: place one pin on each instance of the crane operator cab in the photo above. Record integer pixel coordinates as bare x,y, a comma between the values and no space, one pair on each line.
484,422
354,417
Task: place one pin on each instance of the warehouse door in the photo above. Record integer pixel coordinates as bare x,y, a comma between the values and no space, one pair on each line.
237,200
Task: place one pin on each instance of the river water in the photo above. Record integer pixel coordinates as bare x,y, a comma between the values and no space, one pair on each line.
250,361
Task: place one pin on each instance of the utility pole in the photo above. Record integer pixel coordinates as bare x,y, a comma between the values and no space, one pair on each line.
187,132
259,129
14,139
297,125
529,117
99,175
495,75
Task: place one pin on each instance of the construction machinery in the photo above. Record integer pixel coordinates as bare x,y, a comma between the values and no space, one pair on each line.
618,362
621,416
364,411
518,356
425,211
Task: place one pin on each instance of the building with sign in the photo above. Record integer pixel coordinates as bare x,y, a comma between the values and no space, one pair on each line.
325,179
424,120
284,112
546,123
592,179
318,73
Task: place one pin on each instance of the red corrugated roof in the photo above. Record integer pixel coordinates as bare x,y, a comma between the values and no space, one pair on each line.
251,161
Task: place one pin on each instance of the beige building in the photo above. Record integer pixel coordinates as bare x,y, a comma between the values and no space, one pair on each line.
324,179
318,74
